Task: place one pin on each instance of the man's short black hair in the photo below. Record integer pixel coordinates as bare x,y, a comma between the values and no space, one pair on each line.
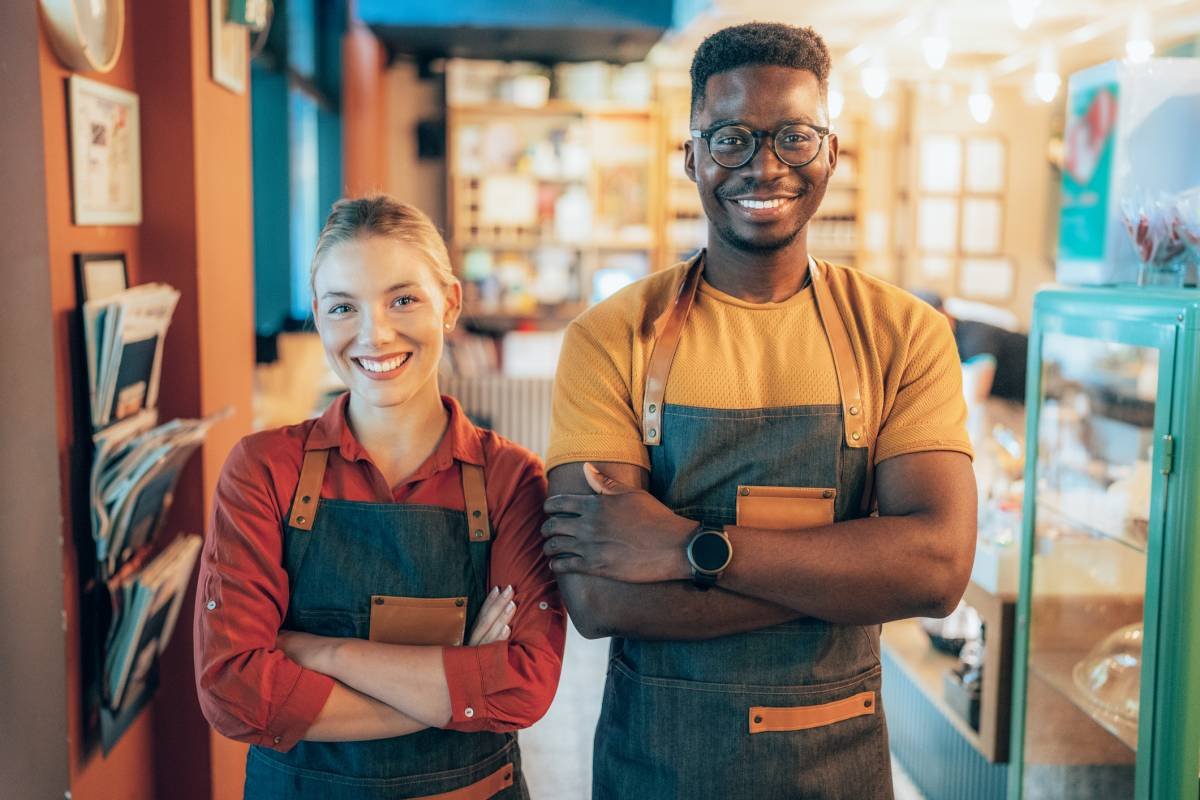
755,43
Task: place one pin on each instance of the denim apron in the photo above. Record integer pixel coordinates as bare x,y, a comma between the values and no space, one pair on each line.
340,555
789,711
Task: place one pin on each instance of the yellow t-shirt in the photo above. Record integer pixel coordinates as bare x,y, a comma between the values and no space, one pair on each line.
738,355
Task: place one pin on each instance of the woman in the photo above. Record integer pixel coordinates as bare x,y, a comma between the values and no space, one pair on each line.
344,624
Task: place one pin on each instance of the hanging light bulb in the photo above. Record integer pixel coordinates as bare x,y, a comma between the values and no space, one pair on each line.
875,77
1139,47
1023,12
837,98
980,101
1046,80
936,46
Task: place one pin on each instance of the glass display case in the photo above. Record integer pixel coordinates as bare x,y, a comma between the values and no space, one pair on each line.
1107,668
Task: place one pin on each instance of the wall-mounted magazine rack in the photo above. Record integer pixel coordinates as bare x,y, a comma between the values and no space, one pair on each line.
132,578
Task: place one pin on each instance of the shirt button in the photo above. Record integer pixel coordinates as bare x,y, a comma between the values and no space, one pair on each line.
469,712
210,605
277,739
543,605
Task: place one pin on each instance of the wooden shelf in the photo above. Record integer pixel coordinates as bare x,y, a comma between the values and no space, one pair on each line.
910,647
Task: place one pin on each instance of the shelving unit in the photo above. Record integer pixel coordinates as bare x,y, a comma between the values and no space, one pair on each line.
910,649
550,207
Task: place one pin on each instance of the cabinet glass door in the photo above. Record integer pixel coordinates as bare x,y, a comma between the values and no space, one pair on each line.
1095,444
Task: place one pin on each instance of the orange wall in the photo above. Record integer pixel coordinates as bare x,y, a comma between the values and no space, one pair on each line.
196,235
364,112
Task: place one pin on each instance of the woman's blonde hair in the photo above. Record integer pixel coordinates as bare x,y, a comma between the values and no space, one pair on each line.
383,215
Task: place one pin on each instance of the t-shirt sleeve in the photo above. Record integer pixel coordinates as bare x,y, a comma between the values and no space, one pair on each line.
592,416
929,411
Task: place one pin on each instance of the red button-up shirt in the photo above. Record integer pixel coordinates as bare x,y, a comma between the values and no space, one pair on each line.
252,692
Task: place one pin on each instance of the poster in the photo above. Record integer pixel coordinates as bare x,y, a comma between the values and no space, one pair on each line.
106,172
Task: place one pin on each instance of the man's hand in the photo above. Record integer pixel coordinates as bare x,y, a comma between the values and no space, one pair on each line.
622,533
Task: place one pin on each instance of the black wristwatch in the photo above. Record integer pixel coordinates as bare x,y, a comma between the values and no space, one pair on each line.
709,552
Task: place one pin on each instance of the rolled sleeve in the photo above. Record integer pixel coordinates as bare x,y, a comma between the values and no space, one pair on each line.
249,690
509,685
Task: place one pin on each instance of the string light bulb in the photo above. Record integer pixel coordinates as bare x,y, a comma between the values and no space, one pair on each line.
980,102
1023,12
936,46
837,98
1046,80
875,77
1139,47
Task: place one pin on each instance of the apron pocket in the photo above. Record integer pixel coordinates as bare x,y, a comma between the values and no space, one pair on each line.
800,718
785,507
418,620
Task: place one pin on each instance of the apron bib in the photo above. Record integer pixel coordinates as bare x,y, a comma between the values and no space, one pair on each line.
341,556
790,711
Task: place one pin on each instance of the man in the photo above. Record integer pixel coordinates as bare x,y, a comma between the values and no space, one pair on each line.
717,431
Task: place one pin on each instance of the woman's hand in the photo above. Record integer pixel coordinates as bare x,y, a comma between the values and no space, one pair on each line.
307,649
492,623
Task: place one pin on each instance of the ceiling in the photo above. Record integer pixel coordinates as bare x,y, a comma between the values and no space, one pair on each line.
984,39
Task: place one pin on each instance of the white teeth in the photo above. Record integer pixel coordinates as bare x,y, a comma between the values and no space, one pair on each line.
382,366
775,203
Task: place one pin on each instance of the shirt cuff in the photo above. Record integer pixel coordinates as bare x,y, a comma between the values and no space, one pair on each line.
298,711
465,670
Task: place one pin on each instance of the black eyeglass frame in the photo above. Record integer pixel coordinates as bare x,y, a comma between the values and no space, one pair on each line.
758,138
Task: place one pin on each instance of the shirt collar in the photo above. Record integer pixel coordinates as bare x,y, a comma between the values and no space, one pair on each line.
460,443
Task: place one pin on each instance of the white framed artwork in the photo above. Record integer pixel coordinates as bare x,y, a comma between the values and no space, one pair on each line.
941,163
937,225
230,49
985,164
982,225
106,154
986,278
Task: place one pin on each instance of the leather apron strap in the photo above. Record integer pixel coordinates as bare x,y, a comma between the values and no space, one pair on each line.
475,496
669,327
312,475
854,416
308,491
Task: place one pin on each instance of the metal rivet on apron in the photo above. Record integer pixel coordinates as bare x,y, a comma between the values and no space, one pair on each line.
508,776
210,605
757,720
543,605
867,703
478,534
305,499
477,513
653,433
378,601
856,436
744,491
828,493
854,411
278,739
469,712
459,602
300,520
653,408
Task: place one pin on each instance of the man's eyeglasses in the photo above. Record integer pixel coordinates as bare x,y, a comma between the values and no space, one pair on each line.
733,146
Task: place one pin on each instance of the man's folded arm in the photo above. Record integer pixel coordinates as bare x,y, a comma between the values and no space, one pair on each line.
672,610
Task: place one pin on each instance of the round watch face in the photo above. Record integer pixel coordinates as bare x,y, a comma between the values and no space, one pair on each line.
710,551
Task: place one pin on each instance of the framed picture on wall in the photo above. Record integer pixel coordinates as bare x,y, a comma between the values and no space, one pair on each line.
230,48
100,275
106,154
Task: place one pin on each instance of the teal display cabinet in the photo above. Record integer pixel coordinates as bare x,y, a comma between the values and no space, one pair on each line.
1106,687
